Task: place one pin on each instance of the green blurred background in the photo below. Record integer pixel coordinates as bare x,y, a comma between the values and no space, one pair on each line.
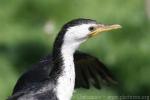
29,27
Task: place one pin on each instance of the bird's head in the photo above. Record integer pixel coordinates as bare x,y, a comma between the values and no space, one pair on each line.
79,30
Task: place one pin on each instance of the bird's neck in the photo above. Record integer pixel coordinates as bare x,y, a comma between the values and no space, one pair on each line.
62,52
67,79
64,70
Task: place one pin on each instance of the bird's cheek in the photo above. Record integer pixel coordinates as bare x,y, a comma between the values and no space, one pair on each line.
83,35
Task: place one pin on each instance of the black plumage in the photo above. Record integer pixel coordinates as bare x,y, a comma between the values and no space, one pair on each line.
88,69
39,82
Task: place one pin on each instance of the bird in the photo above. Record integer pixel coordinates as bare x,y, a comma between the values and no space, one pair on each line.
55,76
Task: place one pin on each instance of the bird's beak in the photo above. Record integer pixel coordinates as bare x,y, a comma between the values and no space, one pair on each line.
103,28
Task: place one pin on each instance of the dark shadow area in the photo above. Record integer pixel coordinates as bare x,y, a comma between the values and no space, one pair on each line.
28,53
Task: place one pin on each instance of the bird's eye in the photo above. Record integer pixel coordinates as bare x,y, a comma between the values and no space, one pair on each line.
91,28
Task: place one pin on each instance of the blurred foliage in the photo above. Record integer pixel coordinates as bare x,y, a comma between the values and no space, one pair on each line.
126,52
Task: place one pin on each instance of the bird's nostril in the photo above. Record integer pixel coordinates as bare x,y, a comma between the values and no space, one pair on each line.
101,25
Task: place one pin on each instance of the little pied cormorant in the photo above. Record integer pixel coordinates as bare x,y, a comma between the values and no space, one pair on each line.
56,75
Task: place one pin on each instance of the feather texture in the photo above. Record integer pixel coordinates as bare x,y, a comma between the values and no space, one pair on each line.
88,71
